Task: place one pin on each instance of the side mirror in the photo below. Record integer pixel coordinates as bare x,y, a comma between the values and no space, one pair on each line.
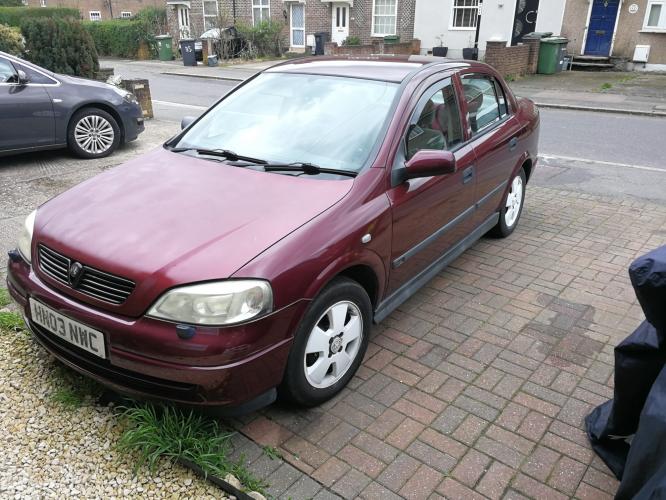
186,122
429,162
22,77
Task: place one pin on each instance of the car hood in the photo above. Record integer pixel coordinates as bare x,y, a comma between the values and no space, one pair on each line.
75,80
166,219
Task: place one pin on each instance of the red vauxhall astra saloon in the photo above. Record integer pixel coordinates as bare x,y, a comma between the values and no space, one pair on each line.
248,257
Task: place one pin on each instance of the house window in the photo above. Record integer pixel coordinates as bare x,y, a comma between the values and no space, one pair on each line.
655,17
42,3
384,14
210,13
125,15
465,14
95,15
261,11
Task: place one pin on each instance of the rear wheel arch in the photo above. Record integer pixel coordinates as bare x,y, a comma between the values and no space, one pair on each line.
527,167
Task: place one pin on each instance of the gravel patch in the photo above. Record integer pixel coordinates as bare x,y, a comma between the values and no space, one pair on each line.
50,450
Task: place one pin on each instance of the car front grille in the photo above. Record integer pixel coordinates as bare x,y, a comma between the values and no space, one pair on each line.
88,280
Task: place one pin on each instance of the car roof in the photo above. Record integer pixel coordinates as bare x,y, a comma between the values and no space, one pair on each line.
383,68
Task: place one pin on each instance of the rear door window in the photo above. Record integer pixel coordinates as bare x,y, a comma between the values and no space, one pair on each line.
483,106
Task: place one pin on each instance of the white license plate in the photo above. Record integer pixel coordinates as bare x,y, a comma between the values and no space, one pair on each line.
69,330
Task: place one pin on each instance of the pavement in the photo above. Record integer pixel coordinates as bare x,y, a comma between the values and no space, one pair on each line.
606,91
477,386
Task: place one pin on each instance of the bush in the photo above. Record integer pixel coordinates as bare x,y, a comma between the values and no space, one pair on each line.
14,16
264,39
61,45
11,3
351,40
11,40
119,37
154,19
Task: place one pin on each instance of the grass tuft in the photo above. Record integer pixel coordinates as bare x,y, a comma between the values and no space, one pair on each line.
11,321
606,86
74,389
5,299
169,433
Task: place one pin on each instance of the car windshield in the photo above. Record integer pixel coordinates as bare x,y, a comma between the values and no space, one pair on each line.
330,121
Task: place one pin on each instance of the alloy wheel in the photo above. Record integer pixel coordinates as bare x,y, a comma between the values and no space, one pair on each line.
333,344
94,134
513,201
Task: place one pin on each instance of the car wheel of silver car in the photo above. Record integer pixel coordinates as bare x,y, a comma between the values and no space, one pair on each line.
512,207
93,133
329,344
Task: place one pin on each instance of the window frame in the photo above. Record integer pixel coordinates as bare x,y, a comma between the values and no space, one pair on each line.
257,4
99,15
373,33
124,16
662,17
208,16
476,8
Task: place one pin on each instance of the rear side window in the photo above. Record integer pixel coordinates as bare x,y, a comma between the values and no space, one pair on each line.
437,124
483,106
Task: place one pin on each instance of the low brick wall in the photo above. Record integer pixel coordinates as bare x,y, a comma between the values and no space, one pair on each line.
378,47
520,59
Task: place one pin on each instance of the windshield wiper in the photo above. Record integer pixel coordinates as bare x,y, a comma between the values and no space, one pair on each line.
306,168
222,153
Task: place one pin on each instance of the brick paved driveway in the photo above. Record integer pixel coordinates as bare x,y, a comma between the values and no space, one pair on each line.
478,386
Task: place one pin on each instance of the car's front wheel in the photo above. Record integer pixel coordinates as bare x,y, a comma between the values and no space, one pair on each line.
329,344
512,207
93,133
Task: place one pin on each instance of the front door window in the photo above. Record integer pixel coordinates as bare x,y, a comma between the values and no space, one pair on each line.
297,25
340,27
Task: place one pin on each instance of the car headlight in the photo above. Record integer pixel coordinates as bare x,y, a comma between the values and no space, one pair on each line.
216,303
25,238
127,96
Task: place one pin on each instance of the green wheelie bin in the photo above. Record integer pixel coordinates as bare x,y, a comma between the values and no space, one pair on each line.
164,47
551,55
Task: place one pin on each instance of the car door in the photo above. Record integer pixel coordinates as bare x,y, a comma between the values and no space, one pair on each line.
26,111
431,214
495,134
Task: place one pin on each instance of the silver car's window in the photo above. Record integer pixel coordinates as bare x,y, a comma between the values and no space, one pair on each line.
330,121
7,71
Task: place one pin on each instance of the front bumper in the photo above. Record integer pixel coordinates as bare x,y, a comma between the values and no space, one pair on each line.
248,367
133,121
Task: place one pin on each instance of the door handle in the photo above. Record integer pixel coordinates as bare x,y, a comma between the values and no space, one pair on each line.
513,143
468,173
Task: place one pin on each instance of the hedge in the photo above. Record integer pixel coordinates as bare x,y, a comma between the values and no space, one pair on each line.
119,37
11,40
11,3
61,45
14,16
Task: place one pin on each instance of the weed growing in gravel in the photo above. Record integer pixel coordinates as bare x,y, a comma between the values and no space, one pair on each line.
166,432
5,300
74,389
11,321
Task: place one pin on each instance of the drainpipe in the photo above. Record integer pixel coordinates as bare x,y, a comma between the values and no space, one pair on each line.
233,10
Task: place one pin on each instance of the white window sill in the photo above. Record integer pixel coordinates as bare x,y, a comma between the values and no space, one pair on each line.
653,30
375,35
462,29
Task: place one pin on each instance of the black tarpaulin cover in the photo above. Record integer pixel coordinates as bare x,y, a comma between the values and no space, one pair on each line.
637,412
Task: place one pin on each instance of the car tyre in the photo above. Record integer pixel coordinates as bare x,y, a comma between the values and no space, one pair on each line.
93,133
329,344
512,207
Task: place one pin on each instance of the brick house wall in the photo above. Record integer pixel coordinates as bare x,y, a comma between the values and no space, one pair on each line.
85,6
517,60
318,17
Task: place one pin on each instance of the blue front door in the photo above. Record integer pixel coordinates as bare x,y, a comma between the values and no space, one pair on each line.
601,28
